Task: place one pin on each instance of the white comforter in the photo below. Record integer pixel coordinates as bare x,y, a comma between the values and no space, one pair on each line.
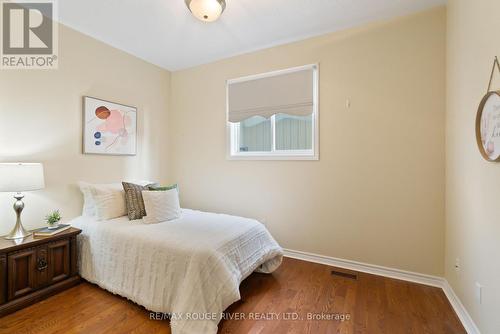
190,267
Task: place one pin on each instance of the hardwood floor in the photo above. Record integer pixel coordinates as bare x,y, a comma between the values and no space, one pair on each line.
373,304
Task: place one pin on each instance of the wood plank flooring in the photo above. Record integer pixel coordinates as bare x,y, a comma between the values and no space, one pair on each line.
373,305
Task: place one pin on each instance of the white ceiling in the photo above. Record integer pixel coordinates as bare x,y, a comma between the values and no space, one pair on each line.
165,33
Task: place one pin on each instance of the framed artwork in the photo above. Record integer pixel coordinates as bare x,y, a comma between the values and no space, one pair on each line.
488,127
488,121
109,128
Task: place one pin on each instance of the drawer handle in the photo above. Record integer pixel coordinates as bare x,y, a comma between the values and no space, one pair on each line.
41,265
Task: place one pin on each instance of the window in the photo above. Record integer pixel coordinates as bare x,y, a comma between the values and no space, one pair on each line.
274,116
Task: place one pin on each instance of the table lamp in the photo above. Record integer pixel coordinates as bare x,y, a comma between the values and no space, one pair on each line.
17,177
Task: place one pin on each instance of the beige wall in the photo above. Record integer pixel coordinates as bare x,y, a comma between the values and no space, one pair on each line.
377,193
473,185
41,121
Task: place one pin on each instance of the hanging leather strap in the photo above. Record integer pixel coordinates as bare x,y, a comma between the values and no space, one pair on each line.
497,65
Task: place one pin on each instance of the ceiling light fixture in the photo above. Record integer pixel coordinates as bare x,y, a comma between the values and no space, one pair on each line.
206,10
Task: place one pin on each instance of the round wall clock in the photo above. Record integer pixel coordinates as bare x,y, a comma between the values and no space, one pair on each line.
488,126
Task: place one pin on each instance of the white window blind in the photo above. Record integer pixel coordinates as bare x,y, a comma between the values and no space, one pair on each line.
290,93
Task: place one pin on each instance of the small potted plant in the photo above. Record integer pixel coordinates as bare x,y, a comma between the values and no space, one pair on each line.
53,219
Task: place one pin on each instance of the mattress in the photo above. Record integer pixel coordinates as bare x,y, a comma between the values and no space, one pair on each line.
189,268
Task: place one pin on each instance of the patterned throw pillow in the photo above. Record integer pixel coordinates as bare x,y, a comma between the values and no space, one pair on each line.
134,201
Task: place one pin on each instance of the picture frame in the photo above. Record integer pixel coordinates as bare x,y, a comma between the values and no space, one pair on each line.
109,128
488,127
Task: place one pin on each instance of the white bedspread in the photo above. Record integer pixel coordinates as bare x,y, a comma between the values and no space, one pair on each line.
190,267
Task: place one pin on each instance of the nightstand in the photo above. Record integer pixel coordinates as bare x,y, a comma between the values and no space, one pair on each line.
32,269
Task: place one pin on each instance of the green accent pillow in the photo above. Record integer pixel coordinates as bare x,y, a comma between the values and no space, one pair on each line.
162,188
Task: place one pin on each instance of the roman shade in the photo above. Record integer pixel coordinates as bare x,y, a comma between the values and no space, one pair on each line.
289,93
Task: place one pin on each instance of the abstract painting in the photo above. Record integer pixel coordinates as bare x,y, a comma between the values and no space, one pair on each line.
109,128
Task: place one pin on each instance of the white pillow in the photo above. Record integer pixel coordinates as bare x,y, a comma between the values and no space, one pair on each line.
110,205
88,202
161,206
103,201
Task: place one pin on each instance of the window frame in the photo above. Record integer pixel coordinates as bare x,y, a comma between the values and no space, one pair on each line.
232,129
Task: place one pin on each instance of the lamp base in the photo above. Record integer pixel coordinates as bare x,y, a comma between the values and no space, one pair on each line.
18,231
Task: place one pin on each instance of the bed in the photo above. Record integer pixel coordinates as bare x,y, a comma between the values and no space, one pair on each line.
190,268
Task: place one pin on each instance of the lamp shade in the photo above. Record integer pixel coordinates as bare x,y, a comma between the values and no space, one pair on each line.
17,177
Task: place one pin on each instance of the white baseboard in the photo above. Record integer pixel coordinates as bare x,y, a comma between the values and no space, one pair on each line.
367,268
404,275
459,308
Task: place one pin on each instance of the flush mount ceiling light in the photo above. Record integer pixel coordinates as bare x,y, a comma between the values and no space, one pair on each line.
206,10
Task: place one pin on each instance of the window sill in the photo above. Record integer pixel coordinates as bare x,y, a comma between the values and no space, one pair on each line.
273,157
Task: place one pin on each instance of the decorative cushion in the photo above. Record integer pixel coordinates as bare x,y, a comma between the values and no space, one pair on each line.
133,200
161,206
155,187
